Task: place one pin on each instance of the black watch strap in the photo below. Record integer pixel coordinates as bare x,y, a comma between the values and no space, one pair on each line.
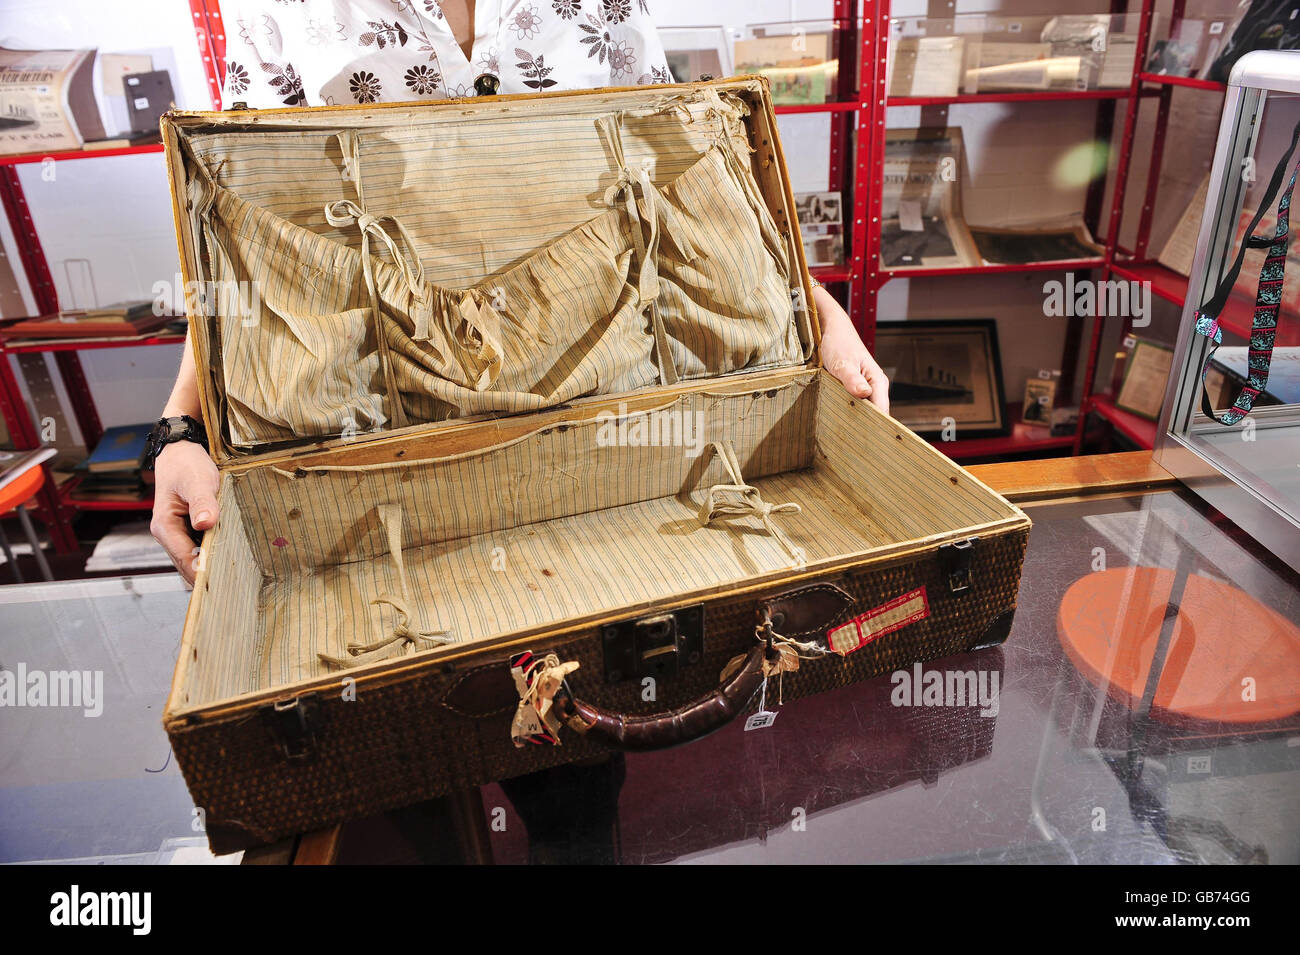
168,431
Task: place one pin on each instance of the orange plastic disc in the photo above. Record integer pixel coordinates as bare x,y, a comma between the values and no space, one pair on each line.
1230,658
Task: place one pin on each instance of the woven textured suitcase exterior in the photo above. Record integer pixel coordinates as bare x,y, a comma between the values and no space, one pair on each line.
262,771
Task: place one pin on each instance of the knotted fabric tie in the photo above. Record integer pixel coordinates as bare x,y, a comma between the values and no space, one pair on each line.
634,182
741,499
537,679
401,638
345,212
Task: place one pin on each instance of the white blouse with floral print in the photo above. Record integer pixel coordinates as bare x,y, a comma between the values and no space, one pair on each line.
328,52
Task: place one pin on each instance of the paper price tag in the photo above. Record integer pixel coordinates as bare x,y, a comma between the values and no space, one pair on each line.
760,720
909,215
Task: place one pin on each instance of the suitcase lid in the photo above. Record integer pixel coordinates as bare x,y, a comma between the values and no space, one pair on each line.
340,262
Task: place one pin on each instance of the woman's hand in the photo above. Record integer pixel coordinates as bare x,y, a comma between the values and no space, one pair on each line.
844,355
185,485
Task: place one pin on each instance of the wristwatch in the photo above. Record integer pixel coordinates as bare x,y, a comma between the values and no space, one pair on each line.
167,431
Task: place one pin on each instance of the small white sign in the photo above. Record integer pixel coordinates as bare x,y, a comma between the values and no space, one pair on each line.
760,720
909,215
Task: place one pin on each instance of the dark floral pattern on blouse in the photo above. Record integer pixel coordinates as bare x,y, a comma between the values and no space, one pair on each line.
526,22
287,83
236,77
622,60
431,7
535,70
657,74
644,8
382,33
365,87
616,11
567,9
597,39
422,80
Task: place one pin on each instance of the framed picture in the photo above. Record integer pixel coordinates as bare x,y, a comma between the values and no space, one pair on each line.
693,52
944,374
1145,375
921,223
821,224
1040,398
797,58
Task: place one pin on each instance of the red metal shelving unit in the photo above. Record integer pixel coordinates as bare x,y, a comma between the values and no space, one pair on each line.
1137,429
1135,264
870,276
57,504
1023,439
19,159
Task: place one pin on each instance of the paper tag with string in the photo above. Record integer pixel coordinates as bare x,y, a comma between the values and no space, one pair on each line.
764,717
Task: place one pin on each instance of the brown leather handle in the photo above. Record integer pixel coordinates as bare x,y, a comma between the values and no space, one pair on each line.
662,730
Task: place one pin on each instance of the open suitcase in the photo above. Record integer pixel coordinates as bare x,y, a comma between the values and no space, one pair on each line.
526,453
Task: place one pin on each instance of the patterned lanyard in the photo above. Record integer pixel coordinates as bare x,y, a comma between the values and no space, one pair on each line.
1268,298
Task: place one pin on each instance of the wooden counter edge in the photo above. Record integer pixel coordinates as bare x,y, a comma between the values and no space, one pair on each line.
1021,481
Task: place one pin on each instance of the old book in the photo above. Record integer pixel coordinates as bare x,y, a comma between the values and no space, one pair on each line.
123,321
47,100
926,66
921,215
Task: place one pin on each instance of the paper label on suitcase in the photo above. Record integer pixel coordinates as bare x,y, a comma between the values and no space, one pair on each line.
894,615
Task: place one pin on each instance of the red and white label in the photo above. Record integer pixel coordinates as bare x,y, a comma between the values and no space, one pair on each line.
862,629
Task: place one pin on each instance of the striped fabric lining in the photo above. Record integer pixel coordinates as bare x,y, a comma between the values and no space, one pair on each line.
230,633
550,527
495,584
560,322
908,490
314,519
479,191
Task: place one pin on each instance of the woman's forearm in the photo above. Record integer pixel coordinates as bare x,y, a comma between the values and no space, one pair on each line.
185,393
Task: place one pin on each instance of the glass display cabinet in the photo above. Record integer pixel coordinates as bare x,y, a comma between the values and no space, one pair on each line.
1239,340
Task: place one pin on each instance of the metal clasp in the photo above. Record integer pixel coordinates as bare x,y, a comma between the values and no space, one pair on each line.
955,561
293,725
657,646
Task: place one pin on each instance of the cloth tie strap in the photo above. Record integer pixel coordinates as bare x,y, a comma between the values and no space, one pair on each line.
633,184
741,499
401,638
342,213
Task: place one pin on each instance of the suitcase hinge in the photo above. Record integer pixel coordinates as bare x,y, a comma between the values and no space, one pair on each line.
293,724
955,559
657,646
